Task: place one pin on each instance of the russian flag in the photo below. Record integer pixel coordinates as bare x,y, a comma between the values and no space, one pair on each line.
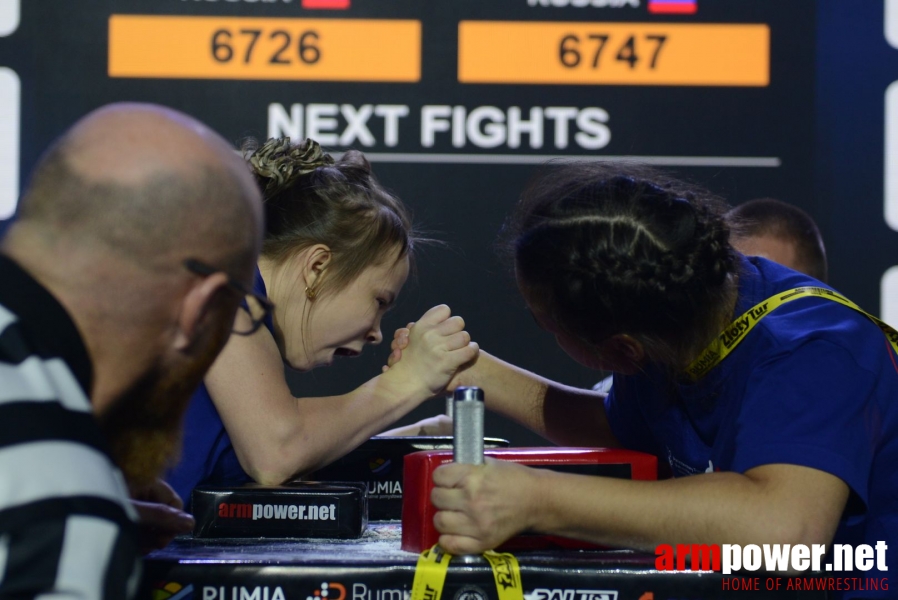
673,7
326,4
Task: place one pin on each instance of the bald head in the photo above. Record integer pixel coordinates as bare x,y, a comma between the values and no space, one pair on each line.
149,184
780,232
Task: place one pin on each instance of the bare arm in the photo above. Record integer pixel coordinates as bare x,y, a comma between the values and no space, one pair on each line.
565,415
483,506
277,436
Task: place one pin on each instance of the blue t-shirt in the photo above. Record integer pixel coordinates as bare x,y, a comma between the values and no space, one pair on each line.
208,456
814,384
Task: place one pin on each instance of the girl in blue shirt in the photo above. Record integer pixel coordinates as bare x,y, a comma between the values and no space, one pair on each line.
790,439
336,254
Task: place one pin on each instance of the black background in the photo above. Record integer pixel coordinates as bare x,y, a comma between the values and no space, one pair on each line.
821,116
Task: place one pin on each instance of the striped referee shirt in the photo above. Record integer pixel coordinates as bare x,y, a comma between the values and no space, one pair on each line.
66,525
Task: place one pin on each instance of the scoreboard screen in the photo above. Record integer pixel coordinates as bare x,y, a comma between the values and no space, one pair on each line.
455,104
168,47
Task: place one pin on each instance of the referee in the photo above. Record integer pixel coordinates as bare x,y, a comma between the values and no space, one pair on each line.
100,322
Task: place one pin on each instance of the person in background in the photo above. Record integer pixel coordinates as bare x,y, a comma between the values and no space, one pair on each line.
791,438
779,232
130,254
337,250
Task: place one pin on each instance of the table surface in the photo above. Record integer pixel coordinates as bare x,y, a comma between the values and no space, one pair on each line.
374,567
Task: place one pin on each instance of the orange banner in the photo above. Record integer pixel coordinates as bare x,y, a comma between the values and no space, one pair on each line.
261,48
613,53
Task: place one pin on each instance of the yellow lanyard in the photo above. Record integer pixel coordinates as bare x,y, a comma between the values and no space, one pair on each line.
736,331
430,574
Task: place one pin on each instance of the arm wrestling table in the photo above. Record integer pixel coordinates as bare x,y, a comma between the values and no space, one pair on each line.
374,567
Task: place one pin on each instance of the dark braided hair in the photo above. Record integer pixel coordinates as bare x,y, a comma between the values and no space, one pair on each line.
607,248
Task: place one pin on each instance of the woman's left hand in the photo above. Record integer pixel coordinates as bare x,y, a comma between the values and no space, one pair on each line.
482,506
397,345
438,425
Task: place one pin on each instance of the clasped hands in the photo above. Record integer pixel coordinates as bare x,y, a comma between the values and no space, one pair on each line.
479,507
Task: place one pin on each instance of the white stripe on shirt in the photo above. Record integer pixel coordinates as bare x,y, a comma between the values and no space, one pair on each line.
6,318
42,381
84,559
65,468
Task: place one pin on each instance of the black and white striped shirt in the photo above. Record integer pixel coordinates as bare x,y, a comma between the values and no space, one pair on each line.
66,525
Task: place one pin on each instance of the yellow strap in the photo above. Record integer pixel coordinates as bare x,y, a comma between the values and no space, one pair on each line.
507,574
430,575
736,331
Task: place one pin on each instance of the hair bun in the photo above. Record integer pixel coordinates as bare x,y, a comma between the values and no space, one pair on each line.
356,159
277,163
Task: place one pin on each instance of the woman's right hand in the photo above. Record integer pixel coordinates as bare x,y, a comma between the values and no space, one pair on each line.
463,376
437,346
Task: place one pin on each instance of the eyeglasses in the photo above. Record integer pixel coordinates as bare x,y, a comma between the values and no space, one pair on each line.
257,307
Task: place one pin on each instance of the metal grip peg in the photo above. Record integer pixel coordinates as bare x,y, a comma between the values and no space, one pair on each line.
467,425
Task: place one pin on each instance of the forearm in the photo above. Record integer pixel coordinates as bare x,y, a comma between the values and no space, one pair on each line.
711,508
320,430
563,414
277,436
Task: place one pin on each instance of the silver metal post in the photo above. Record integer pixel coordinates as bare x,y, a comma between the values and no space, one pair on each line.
467,425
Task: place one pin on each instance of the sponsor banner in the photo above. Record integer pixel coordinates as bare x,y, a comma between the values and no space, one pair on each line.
549,577
299,509
790,567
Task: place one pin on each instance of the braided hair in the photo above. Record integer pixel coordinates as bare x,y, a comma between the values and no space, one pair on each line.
607,248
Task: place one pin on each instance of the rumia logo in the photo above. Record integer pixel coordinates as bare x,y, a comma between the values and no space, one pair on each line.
329,591
172,590
259,592
384,487
379,465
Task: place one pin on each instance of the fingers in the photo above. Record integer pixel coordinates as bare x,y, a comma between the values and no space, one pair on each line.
479,506
158,492
438,425
431,350
467,353
455,523
394,358
167,495
159,524
459,544
400,340
450,475
435,315
438,319
450,326
161,517
458,340
448,499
